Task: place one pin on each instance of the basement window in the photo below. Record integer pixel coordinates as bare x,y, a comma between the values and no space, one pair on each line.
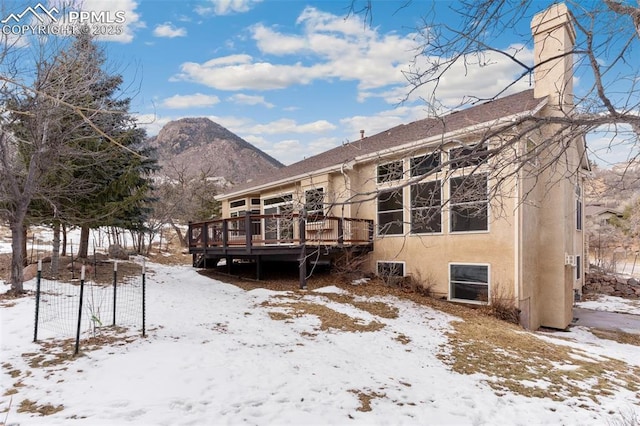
392,273
469,283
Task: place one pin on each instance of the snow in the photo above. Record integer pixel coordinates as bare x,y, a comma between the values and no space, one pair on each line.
612,304
213,355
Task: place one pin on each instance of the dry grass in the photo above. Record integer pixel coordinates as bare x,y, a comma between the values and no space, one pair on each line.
617,336
366,398
28,406
329,318
522,363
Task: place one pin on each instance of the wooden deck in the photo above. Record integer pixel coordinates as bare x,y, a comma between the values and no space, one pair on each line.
277,238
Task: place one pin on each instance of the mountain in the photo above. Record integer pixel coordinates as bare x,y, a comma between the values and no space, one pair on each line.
201,145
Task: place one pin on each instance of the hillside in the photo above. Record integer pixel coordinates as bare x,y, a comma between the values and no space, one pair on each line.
201,145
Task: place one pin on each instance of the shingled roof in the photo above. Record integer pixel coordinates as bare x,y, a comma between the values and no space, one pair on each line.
397,136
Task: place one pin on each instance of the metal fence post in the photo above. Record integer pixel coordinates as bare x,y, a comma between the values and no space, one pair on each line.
144,305
77,349
115,286
39,277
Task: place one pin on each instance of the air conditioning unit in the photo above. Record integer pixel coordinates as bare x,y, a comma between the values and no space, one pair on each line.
569,260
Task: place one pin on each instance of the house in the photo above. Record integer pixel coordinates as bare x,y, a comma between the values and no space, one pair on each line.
478,203
601,215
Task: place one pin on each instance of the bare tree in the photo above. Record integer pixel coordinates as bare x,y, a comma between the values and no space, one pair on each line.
184,195
604,56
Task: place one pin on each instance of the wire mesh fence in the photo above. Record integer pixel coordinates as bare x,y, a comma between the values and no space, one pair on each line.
83,308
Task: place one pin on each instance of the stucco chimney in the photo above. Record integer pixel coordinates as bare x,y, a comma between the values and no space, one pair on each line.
553,37
361,134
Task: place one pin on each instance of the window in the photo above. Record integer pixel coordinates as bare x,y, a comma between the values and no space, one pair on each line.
578,267
237,226
314,204
390,215
279,200
237,203
390,171
422,165
579,215
468,156
426,213
255,201
468,203
392,273
469,283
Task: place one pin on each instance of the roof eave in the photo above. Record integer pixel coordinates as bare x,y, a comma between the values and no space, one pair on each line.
386,152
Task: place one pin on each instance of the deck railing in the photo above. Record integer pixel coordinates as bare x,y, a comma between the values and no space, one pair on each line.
266,230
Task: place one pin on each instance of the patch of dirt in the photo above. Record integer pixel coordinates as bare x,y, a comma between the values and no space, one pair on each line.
366,398
329,318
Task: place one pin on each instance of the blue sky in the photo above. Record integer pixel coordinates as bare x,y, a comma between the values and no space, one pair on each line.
293,78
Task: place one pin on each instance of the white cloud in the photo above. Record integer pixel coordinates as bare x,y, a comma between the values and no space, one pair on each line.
226,7
169,30
190,101
287,125
329,47
243,99
236,73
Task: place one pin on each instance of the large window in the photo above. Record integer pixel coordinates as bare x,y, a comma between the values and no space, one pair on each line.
466,156
468,203
469,282
314,204
426,213
424,164
390,212
389,172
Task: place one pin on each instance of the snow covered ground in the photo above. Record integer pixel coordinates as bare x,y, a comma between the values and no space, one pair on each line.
612,304
216,354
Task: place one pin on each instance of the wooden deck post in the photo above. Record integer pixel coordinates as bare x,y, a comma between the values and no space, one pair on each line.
225,235
340,232
247,231
302,262
205,242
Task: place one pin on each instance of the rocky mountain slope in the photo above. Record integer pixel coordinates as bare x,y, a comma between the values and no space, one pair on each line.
199,145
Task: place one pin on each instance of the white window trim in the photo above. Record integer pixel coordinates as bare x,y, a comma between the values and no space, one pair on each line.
448,209
394,181
443,211
459,144
435,175
324,208
474,302
377,221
